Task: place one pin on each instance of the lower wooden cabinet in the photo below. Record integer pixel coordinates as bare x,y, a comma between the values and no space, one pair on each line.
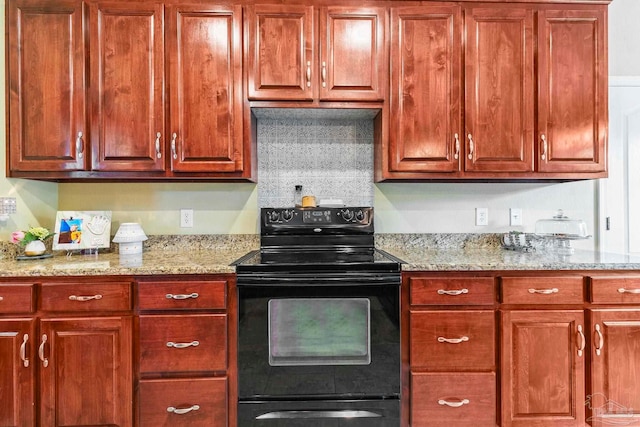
191,402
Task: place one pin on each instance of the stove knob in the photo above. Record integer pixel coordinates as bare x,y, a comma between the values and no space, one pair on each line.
287,215
360,216
347,214
273,216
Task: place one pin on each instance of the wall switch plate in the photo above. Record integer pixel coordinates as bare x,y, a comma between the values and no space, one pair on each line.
482,216
186,218
515,216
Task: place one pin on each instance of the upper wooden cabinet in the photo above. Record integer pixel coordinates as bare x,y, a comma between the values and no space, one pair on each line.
510,130
46,95
288,59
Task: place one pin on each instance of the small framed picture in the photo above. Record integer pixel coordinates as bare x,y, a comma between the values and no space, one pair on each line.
82,230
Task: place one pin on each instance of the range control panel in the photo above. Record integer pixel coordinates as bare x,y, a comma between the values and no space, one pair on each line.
311,217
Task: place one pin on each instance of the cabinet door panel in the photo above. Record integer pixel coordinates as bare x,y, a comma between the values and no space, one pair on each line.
615,393
572,112
499,89
17,373
87,380
425,89
543,374
352,50
205,82
127,77
281,55
46,85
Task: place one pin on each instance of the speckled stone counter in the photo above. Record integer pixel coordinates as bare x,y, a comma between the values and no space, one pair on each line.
462,252
205,254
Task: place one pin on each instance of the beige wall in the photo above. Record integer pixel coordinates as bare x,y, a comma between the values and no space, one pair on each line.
405,207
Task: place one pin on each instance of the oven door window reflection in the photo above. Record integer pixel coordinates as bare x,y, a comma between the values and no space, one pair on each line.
319,331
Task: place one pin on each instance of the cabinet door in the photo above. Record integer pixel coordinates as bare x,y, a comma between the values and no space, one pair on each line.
127,83
17,378
87,377
352,53
543,368
46,93
499,89
615,392
205,51
425,89
281,52
572,98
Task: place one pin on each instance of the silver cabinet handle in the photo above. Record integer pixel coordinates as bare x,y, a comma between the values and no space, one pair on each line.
543,156
172,344
83,298
470,138
456,155
23,351
453,340
583,341
181,411
182,296
174,137
45,361
324,74
158,153
80,145
453,404
1,298
308,73
621,290
544,291
600,343
454,292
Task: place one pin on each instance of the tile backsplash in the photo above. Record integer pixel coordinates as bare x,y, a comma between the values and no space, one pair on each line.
328,152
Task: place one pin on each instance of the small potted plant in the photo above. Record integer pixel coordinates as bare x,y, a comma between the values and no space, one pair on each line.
33,240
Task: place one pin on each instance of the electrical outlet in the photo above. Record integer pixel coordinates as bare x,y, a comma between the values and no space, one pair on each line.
515,216
186,218
482,216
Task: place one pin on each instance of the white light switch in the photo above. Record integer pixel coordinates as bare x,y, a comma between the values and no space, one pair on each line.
515,216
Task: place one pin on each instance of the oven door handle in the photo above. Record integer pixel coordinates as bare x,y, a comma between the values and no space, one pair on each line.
313,280
346,413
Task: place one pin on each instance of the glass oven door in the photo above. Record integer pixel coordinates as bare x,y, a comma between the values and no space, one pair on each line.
320,341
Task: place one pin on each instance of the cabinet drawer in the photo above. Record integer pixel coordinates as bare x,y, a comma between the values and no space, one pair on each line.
542,290
189,402
615,289
16,298
182,295
453,399
183,343
86,297
451,291
444,340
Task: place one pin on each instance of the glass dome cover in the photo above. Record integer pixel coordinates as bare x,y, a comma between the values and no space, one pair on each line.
562,227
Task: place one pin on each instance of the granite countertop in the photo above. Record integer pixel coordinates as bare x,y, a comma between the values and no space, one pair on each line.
213,254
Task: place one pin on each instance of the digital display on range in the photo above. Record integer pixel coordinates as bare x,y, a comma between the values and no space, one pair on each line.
314,216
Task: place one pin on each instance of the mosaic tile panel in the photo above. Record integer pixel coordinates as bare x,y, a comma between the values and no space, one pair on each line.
330,156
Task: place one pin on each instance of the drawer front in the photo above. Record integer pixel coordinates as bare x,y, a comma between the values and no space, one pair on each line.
452,291
189,402
615,290
542,290
182,295
453,399
183,343
86,297
444,340
16,298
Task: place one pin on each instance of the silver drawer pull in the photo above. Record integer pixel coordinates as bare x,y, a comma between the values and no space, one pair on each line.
453,292
621,290
453,340
83,298
1,298
544,291
453,404
183,344
583,341
181,411
45,361
182,296
600,344
23,351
